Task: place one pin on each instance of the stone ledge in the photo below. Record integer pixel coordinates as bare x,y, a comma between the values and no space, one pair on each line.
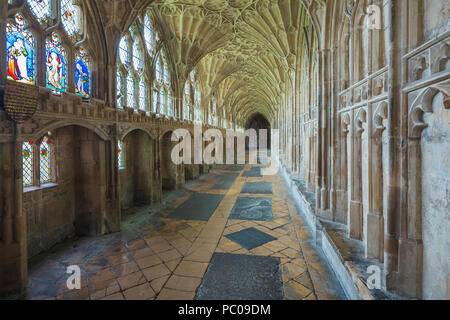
344,256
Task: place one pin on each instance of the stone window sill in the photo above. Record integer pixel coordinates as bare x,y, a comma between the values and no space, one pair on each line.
44,186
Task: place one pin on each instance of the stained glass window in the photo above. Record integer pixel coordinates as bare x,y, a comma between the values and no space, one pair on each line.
10,1
123,50
27,163
169,104
148,34
82,83
41,9
137,59
142,95
20,52
121,155
44,160
119,91
56,64
130,91
70,18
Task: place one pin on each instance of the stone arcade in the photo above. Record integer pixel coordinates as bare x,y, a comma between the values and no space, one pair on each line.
92,90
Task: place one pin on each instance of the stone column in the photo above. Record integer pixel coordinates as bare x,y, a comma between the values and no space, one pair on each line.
13,236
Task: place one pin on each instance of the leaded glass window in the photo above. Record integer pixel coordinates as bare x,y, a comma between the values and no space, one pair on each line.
130,91
27,164
56,64
155,99
45,160
123,50
70,18
137,58
121,155
142,95
158,71
148,34
162,101
119,90
82,81
20,55
41,9
187,101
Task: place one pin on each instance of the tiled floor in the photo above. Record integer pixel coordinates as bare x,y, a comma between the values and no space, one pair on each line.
157,257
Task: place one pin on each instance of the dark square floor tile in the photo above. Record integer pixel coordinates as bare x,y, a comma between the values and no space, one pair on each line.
254,172
246,208
234,168
224,181
257,188
197,207
242,277
250,238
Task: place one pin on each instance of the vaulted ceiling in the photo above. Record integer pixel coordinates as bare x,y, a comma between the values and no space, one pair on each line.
244,50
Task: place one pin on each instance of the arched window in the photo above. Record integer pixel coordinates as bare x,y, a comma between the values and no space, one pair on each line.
71,18
142,95
82,83
131,62
130,91
162,101
149,35
155,99
187,101
20,57
56,64
123,50
41,9
119,86
45,153
27,164
137,58
197,96
37,162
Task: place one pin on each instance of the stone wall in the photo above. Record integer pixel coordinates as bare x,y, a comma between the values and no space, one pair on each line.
50,210
436,201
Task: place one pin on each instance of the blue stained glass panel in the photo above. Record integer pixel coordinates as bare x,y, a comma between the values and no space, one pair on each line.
20,52
82,81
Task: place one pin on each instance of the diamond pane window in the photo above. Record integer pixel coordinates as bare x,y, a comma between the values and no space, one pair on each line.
121,155
123,50
20,55
70,18
137,58
159,74
56,64
82,83
41,9
187,101
119,89
142,95
169,105
130,91
162,102
155,101
44,160
166,73
148,34
27,163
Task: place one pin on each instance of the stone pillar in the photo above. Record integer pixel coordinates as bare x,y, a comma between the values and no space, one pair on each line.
13,233
354,218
